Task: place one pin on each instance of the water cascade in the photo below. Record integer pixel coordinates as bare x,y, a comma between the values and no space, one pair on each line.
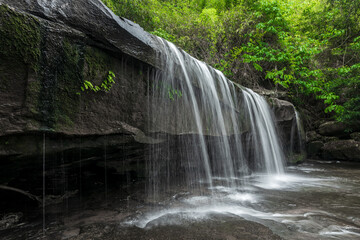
297,135
212,119
43,182
297,147
264,140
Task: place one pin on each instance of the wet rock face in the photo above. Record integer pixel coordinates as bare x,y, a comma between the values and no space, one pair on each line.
284,111
285,117
45,58
92,18
44,65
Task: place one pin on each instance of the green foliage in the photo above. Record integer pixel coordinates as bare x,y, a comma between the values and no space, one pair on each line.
138,11
108,82
310,48
163,34
105,86
174,93
168,90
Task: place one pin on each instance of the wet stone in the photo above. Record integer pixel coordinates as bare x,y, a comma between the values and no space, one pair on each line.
355,136
332,129
312,136
70,233
9,220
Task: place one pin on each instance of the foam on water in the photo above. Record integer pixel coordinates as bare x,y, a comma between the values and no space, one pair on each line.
242,197
194,214
258,202
335,230
282,181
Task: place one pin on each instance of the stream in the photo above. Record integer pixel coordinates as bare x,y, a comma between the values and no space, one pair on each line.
314,200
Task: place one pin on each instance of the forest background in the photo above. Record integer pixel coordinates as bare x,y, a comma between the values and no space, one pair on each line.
309,48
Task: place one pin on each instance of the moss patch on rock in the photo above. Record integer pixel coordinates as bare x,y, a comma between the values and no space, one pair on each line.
61,76
19,36
69,80
98,65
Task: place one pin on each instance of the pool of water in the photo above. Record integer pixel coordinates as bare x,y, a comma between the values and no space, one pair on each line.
314,200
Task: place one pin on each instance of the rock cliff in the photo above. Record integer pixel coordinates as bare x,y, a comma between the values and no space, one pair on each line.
50,51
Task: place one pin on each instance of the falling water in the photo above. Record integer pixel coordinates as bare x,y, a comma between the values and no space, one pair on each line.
105,172
297,136
264,140
44,185
198,114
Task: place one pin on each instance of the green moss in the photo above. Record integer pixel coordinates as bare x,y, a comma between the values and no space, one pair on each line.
69,80
98,65
32,94
296,158
19,36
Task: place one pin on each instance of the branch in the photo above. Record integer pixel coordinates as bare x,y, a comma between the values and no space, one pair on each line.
29,195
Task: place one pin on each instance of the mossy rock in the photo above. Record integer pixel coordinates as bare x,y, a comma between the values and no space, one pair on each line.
98,65
355,136
69,80
296,158
19,36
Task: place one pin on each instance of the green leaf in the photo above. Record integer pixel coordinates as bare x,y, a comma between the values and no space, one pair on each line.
257,67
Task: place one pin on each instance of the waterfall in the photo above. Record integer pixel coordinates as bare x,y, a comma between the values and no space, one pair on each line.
202,118
264,143
297,147
44,183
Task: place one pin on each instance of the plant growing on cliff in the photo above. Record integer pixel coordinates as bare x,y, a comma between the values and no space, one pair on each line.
168,90
108,82
174,92
105,86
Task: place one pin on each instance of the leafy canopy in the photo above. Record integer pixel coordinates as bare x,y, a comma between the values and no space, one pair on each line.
310,48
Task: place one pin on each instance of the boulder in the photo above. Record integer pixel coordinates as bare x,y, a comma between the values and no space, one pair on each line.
355,136
285,116
329,139
284,111
288,124
333,128
348,150
312,136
